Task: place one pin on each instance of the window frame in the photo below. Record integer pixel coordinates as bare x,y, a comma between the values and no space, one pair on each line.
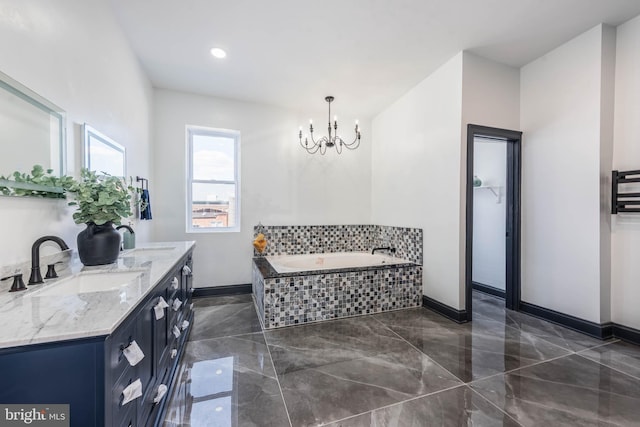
192,131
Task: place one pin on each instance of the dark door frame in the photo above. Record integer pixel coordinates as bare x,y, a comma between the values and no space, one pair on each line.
513,201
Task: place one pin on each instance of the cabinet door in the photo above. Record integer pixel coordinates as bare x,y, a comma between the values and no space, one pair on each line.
187,285
145,329
160,333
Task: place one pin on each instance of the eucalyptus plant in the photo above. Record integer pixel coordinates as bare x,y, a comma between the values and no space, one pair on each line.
35,184
101,198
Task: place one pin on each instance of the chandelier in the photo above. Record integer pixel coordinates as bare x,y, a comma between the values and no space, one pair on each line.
333,140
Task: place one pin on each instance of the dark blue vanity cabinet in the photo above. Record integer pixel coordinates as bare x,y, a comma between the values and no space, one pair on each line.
91,374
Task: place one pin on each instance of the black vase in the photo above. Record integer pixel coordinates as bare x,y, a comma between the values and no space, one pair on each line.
98,244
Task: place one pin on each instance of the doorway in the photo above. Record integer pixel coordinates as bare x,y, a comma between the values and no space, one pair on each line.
503,188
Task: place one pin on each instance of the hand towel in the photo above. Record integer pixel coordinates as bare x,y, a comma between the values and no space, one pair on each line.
146,201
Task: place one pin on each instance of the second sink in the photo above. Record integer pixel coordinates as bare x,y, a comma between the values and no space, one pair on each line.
90,282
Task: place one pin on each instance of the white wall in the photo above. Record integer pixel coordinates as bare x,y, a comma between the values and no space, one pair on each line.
561,96
74,54
489,213
416,174
280,183
490,97
625,251
423,171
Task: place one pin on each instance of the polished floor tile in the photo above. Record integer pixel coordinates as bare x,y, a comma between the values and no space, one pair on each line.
570,391
473,350
224,320
621,356
493,308
337,369
227,382
457,407
402,368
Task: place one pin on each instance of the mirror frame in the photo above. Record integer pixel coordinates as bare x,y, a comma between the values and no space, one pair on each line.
21,91
90,135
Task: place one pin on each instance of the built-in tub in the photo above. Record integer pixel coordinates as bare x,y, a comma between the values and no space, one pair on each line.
298,289
331,261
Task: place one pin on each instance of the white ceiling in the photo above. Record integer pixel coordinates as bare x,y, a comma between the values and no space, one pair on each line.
367,53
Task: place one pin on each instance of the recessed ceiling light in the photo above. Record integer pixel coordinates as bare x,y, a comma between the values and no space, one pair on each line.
218,53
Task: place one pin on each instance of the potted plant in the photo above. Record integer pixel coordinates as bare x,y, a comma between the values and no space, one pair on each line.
102,201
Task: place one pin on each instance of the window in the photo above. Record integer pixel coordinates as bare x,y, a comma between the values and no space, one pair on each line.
213,185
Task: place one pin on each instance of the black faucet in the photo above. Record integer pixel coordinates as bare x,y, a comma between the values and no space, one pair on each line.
386,248
125,226
130,231
36,277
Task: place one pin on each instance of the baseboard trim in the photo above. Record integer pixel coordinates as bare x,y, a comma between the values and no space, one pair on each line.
216,291
626,333
488,289
597,330
459,316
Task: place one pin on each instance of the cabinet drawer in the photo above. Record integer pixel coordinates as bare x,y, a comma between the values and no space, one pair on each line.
119,411
145,330
128,418
119,341
148,409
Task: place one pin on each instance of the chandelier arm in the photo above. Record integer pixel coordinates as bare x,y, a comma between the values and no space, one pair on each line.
355,144
313,140
306,146
313,150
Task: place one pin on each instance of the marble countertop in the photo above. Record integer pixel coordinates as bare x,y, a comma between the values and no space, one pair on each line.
40,315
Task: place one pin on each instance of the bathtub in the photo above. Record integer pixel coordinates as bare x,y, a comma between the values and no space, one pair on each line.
298,289
330,261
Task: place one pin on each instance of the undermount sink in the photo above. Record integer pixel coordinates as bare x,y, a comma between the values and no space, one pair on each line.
84,283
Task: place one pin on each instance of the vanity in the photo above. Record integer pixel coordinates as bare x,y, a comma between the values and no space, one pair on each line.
69,340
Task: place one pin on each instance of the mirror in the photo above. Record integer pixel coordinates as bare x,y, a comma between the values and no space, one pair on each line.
32,130
102,154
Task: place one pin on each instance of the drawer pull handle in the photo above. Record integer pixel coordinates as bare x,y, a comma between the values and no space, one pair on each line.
177,304
186,270
185,324
159,308
174,283
191,306
162,390
176,331
133,353
132,392
174,353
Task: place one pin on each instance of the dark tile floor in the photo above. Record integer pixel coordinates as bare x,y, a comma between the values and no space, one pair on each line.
403,368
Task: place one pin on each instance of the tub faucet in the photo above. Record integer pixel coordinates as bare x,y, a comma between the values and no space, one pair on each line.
36,276
386,248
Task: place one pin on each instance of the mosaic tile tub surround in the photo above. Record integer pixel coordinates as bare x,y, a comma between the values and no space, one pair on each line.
310,239
304,297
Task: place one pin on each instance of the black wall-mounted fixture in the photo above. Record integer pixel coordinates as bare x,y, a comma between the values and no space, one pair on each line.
144,181
624,202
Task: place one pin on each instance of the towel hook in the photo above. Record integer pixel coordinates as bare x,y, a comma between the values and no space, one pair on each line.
143,180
